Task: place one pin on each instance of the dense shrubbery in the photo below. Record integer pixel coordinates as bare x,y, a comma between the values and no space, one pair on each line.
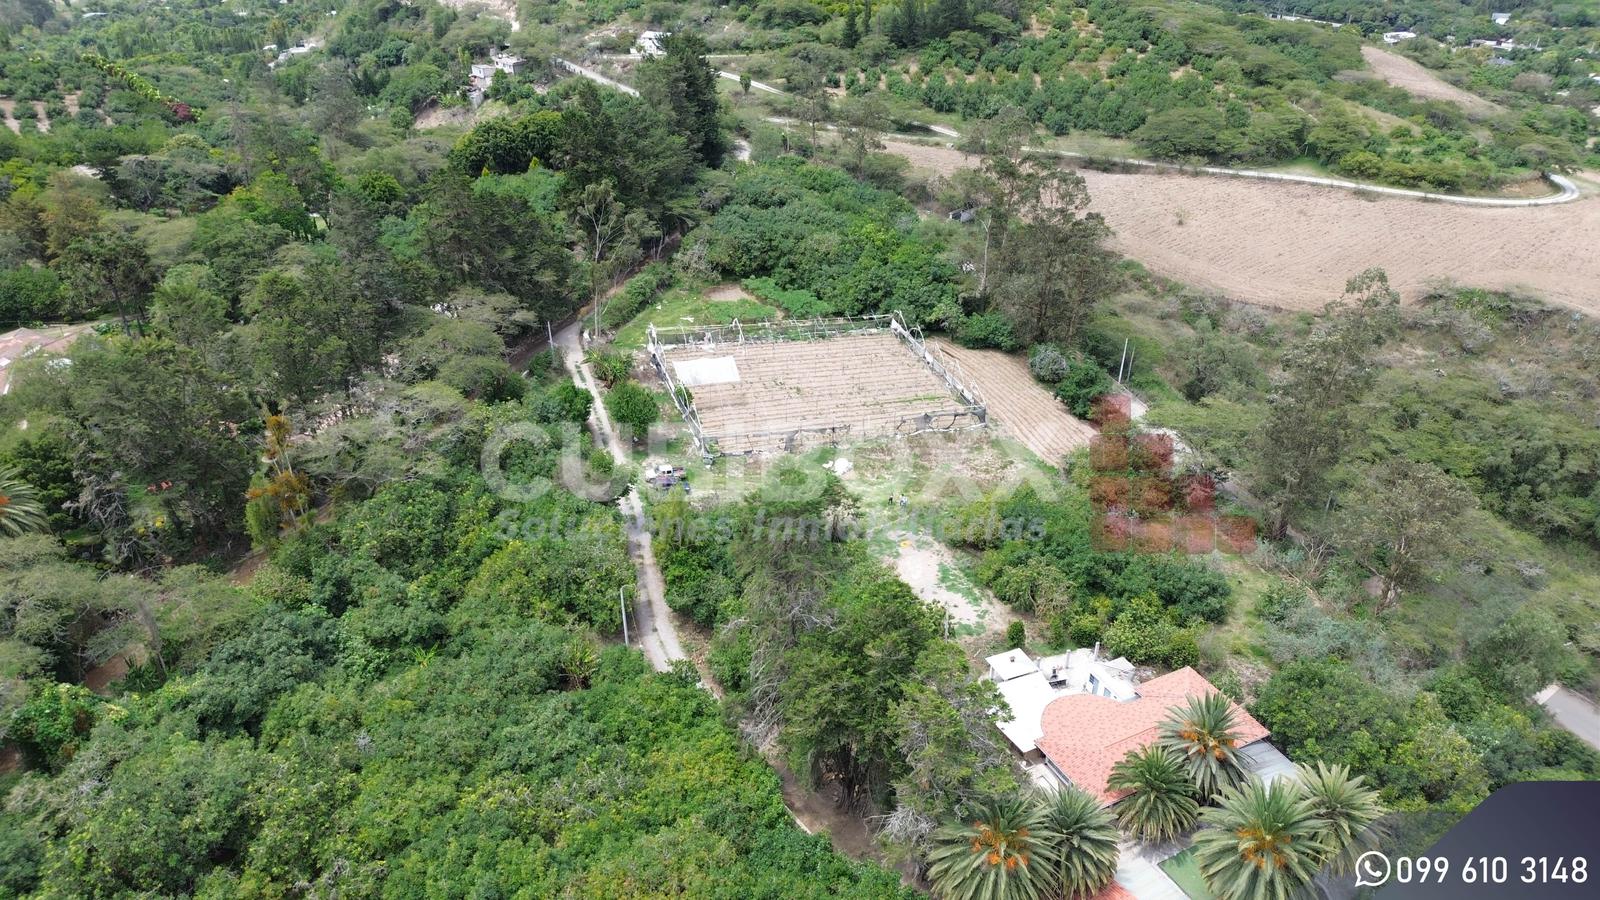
350,707
639,291
1145,606
772,225
1447,746
1189,83
873,699
798,303
1076,380
990,330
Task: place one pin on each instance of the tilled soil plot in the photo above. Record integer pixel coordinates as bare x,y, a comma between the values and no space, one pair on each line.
1294,246
1018,404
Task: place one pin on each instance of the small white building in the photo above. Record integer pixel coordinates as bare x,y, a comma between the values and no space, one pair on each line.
1395,37
1500,18
1029,685
500,62
649,43
292,52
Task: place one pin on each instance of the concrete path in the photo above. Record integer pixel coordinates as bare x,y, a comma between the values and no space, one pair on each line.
760,86
1572,711
594,76
651,629
1139,871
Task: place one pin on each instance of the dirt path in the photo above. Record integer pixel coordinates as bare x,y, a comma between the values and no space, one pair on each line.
505,9
653,630
594,76
99,678
1416,80
727,292
1018,404
817,812
1293,246
929,568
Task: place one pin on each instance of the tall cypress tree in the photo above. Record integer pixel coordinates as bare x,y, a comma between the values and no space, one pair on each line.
852,32
907,28
683,85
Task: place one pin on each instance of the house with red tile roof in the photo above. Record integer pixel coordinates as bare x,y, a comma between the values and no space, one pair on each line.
1085,734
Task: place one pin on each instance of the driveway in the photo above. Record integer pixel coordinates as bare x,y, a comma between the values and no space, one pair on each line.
1572,711
652,626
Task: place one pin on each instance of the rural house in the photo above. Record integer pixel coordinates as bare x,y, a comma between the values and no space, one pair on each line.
1075,716
500,62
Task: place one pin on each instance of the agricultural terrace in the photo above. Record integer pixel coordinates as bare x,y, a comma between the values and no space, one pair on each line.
784,386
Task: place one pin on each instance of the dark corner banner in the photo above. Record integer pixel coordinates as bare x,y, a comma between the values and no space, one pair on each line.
1534,840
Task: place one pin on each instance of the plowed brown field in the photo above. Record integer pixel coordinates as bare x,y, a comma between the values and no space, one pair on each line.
1019,405
1415,79
1293,246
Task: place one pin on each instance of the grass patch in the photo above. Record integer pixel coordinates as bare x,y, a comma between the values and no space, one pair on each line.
690,307
1186,874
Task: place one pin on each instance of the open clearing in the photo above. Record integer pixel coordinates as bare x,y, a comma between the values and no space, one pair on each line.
783,395
930,569
1293,246
25,342
1416,80
1018,404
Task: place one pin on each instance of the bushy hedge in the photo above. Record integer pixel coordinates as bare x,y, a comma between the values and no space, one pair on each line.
1076,379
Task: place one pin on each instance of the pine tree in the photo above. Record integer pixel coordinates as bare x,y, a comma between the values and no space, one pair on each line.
906,30
684,85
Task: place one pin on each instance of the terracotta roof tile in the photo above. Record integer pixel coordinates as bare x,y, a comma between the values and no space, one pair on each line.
1113,891
1086,734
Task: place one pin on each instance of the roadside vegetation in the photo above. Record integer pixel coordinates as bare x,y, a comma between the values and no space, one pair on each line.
268,620
1183,81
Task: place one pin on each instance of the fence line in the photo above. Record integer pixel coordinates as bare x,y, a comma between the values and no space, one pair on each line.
940,368
661,341
683,400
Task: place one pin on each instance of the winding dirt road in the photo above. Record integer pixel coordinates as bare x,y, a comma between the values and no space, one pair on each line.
652,628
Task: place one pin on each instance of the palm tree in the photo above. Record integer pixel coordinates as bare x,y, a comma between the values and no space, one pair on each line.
1203,734
1086,852
1261,842
20,509
1350,809
1006,852
1162,803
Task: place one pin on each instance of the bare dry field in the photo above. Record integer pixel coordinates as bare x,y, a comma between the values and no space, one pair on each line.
788,394
1293,246
1416,80
24,342
1018,404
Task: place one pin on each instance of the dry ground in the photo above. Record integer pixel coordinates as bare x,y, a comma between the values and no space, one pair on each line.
1293,246
1416,80
727,292
867,384
24,342
1018,404
930,569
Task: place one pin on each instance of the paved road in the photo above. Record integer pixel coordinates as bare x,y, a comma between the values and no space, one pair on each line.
758,85
1573,712
1568,193
651,628
594,76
